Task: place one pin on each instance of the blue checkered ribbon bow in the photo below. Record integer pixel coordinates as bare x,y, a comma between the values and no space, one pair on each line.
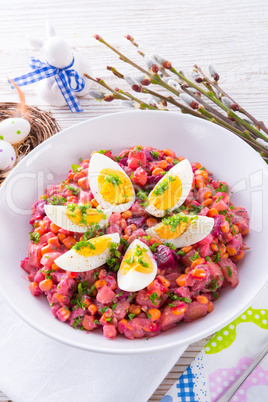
62,76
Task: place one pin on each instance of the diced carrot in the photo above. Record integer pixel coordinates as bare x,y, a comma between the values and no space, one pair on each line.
181,280
134,309
54,241
207,202
130,229
163,281
210,306
212,212
92,309
155,314
168,152
126,214
55,267
151,222
202,299
83,183
61,237
235,229
239,256
46,249
178,310
162,164
198,273
197,262
180,158
169,159
69,242
54,228
230,250
202,173
100,283
186,249
199,182
157,171
225,227
40,231
46,285
72,199
61,187
63,314
94,203
214,247
152,285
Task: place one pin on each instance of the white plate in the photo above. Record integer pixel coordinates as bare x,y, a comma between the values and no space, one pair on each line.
221,152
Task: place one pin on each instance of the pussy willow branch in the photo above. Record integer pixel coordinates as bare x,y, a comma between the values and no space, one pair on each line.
197,106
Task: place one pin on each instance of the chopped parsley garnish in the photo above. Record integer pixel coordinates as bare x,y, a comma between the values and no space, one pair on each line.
142,195
129,260
196,209
232,207
154,297
82,287
76,168
175,161
195,256
181,252
219,198
103,151
207,258
114,305
113,262
91,232
217,257
108,319
131,316
83,244
223,188
139,250
77,322
103,309
171,246
75,190
34,237
114,179
154,247
174,220
96,322
143,263
154,154
173,296
119,294
118,158
56,200
162,187
229,271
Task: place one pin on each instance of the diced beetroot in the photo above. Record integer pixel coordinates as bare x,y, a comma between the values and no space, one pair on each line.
44,239
218,221
219,205
204,211
137,234
139,221
136,158
143,299
34,254
236,242
207,240
85,197
240,214
120,310
67,287
168,317
109,331
54,308
135,327
114,228
115,218
27,266
164,257
190,198
229,271
205,251
111,282
216,274
140,176
38,206
39,276
195,310
48,259
186,259
105,295
183,291
202,194
137,209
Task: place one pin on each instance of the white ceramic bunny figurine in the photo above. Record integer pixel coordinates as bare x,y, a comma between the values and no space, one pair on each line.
59,54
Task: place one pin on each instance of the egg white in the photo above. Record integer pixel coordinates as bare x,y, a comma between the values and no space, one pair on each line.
198,229
57,214
75,262
97,163
14,129
134,280
183,170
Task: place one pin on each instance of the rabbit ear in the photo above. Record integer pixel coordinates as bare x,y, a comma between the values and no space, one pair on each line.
50,29
37,43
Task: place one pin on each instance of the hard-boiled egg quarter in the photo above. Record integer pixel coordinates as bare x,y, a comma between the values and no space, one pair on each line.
109,184
172,190
138,267
88,254
76,218
182,230
14,129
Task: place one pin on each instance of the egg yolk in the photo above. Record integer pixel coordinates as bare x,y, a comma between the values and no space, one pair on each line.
167,193
84,216
136,259
115,186
167,232
93,247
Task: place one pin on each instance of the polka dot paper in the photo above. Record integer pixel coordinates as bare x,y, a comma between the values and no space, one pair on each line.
225,358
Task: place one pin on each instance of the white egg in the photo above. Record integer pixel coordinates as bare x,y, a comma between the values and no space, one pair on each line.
138,267
88,255
67,219
7,155
190,229
109,183
172,190
14,129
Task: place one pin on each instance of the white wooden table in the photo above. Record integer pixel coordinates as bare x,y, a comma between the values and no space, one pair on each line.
231,35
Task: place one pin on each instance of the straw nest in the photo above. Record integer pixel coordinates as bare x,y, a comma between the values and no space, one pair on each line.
43,126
